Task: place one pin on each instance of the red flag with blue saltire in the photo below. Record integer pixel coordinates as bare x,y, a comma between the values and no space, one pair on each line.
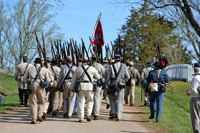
97,36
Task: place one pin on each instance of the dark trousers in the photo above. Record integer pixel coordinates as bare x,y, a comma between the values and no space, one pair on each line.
22,93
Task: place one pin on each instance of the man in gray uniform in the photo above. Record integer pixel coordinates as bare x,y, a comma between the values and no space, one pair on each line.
86,94
20,71
54,93
35,75
144,75
115,77
194,92
130,89
68,96
97,92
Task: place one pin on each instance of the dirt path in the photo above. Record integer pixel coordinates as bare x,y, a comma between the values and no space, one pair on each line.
19,122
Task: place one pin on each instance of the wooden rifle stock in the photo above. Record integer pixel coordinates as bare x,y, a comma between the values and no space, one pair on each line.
124,50
159,57
83,48
94,52
44,51
38,47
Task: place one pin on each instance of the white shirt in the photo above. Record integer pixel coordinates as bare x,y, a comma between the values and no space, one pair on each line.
195,84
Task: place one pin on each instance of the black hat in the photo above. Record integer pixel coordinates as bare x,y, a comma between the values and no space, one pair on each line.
53,62
118,57
80,59
196,64
25,58
37,60
48,59
157,64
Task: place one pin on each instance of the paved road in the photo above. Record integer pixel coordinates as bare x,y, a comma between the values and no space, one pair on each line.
19,122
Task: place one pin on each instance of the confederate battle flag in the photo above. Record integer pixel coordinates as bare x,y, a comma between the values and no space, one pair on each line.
97,36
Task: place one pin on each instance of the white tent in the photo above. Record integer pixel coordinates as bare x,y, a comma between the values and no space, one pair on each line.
180,71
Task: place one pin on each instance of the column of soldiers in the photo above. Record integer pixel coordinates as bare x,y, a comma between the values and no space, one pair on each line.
46,100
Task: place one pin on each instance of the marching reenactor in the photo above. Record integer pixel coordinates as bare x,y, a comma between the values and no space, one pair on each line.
144,75
115,79
35,75
47,90
54,93
156,94
106,93
65,78
86,75
97,92
133,81
20,71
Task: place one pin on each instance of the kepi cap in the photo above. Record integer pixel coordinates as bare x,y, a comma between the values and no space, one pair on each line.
196,64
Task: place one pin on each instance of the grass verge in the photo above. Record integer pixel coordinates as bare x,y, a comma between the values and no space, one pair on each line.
9,92
174,119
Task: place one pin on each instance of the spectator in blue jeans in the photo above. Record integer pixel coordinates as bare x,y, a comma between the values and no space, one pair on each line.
156,97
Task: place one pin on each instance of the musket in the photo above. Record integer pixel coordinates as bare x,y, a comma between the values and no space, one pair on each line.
38,49
64,53
110,52
83,48
159,57
94,52
119,43
56,56
52,49
89,47
141,94
73,44
72,51
68,47
44,51
124,49
113,49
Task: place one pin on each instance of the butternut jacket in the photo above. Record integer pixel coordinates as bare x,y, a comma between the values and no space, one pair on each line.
85,85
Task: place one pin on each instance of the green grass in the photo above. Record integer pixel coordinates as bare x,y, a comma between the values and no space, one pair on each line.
173,119
9,91
176,92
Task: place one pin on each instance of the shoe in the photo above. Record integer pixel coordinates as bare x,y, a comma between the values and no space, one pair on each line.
33,122
81,121
39,119
131,104
65,115
151,117
96,118
157,121
49,111
21,103
118,120
112,117
44,117
54,114
107,106
88,118
26,105
69,117
145,103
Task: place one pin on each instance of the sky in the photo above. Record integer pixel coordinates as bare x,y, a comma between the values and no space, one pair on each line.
77,19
